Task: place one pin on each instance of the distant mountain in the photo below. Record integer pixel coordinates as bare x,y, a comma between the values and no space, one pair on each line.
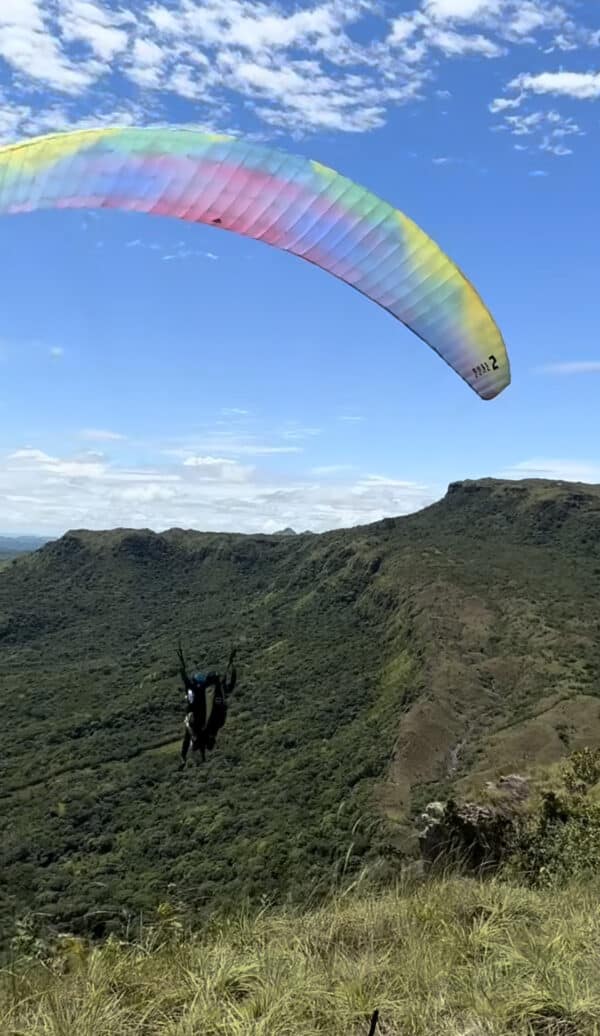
286,532
380,667
21,544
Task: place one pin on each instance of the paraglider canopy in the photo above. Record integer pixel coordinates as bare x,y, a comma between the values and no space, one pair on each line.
290,202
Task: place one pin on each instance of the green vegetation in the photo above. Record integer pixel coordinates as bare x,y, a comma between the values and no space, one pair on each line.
381,667
560,840
545,837
451,958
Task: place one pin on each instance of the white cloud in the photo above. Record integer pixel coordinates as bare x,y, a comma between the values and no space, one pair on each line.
151,493
147,64
510,21
163,18
189,82
555,149
462,10
56,352
137,242
282,62
513,20
266,451
146,52
551,125
101,435
219,469
299,94
30,46
548,130
404,28
573,367
333,65
30,459
182,252
500,104
523,125
455,44
560,469
101,29
581,86
236,448
47,493
30,454
530,16
57,117
12,118
256,27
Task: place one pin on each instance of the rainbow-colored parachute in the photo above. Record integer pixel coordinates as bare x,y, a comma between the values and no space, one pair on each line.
293,203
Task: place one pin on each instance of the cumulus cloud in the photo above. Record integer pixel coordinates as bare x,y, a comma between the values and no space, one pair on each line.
146,67
461,10
455,44
516,21
49,493
335,65
104,31
581,86
31,46
219,469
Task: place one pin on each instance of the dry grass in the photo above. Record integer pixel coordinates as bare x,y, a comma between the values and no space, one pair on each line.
448,958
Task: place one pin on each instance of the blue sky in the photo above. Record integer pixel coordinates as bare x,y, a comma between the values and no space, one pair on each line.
156,374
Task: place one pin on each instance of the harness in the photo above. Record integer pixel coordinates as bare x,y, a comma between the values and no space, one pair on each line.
207,706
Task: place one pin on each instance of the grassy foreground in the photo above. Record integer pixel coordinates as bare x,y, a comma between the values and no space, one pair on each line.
452,957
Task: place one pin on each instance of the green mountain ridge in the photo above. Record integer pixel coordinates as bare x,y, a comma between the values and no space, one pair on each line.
12,546
381,666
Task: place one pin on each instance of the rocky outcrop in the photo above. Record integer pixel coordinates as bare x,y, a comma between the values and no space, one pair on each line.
473,837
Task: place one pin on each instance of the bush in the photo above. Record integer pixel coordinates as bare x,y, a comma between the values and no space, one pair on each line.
562,841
